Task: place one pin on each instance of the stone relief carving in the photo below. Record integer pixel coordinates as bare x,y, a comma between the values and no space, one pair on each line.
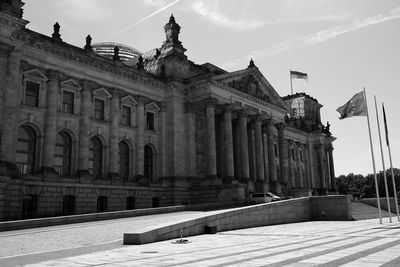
249,85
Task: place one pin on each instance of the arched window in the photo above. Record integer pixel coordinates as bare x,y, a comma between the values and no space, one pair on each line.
95,157
62,154
148,162
26,150
123,160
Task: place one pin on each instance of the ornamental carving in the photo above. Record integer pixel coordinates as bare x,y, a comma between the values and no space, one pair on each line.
250,86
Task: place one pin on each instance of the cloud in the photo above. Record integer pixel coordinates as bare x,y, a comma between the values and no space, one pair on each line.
325,35
213,14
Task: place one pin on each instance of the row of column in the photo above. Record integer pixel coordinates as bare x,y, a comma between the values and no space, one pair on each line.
262,150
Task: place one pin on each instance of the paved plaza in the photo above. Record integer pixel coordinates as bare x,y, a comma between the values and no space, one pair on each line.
319,243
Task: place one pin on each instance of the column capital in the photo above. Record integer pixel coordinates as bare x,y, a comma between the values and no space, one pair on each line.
142,100
163,106
291,142
87,85
54,75
116,92
281,126
210,102
190,107
243,113
228,107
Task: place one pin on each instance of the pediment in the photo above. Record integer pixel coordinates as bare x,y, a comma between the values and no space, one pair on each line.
129,100
251,81
35,73
71,83
152,107
102,92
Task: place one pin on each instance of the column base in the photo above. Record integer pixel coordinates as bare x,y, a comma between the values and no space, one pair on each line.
261,187
228,179
81,173
275,187
214,179
8,169
48,170
321,191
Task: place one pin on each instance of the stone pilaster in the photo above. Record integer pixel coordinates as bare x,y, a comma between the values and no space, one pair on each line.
273,180
114,135
228,146
191,139
331,168
140,137
211,142
50,123
4,181
244,147
10,60
164,155
84,126
321,168
259,147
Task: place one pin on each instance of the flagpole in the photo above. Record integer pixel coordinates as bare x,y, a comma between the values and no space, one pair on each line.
291,82
391,165
383,164
394,184
373,160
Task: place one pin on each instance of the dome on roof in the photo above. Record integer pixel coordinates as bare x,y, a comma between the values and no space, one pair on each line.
106,49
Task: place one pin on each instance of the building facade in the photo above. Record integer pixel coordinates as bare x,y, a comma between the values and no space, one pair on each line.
81,132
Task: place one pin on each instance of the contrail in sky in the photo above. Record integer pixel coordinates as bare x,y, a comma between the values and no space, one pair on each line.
144,19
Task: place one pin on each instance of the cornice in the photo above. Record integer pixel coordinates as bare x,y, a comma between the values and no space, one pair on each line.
79,55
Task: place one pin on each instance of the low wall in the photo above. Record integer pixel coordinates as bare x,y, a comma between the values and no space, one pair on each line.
383,201
286,211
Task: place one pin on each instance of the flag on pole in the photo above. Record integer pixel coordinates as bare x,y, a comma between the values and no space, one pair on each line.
298,75
386,129
356,106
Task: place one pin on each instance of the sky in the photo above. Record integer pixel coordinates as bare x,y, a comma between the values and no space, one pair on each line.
343,46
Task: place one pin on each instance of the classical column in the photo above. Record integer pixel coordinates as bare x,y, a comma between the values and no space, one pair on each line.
271,153
321,168
244,148
298,165
237,154
252,150
266,157
307,178
114,134
259,155
283,155
50,123
331,168
211,143
228,146
84,126
10,60
291,176
311,164
140,138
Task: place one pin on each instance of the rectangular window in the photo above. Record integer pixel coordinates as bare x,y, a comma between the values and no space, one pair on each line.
32,93
99,109
68,102
150,121
126,115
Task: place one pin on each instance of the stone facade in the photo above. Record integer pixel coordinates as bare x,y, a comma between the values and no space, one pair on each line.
84,133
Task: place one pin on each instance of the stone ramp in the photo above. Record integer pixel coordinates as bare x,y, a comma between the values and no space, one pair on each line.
362,211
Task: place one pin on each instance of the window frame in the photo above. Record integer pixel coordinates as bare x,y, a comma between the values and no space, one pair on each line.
34,76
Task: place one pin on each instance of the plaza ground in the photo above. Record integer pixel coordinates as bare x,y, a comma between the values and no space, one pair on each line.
363,242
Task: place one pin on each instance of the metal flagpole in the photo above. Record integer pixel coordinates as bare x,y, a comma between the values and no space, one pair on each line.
373,160
391,165
291,82
383,164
